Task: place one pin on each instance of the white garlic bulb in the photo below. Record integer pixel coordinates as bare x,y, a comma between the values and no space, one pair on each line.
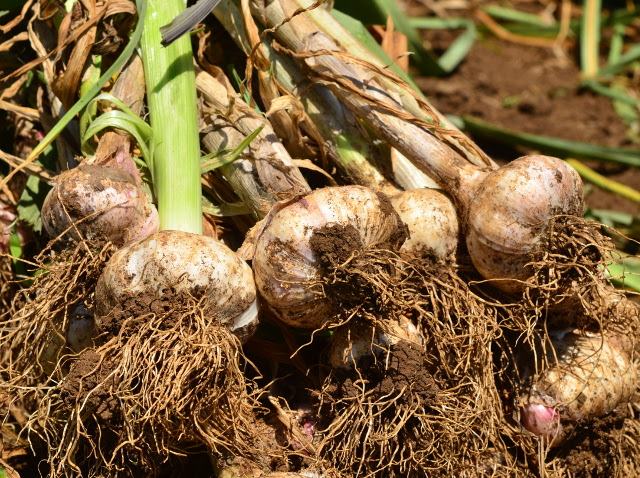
288,270
508,220
592,375
432,221
350,344
98,203
183,262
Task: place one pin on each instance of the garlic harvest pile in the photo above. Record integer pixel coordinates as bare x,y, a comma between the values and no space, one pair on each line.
335,221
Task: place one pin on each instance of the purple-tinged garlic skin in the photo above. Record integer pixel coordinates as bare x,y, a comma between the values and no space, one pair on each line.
432,221
183,262
542,421
593,374
508,220
98,203
286,269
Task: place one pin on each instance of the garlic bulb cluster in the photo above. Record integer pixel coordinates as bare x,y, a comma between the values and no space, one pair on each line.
98,203
593,374
288,255
182,262
432,221
508,220
350,344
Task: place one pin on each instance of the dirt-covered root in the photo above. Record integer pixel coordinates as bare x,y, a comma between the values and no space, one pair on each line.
35,331
7,284
569,276
389,415
166,381
444,420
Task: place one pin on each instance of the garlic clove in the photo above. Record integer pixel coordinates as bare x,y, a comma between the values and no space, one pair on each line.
287,270
98,203
508,221
432,221
181,262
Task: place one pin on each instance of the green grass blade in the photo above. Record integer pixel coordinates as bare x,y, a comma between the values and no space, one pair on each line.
603,182
516,16
459,49
434,23
590,37
613,93
609,218
616,43
360,32
554,146
633,54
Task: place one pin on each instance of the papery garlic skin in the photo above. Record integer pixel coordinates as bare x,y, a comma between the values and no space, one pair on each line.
286,269
98,203
432,221
508,220
183,262
350,344
593,374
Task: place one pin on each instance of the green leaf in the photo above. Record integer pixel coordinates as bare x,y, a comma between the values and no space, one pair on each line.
377,12
459,49
125,120
358,30
625,273
633,54
30,202
609,218
590,37
215,160
512,15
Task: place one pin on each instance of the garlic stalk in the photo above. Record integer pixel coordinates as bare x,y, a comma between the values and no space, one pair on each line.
342,138
266,172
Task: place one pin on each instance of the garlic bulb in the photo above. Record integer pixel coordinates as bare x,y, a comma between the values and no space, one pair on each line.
508,220
593,374
98,203
432,221
182,262
350,344
299,234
